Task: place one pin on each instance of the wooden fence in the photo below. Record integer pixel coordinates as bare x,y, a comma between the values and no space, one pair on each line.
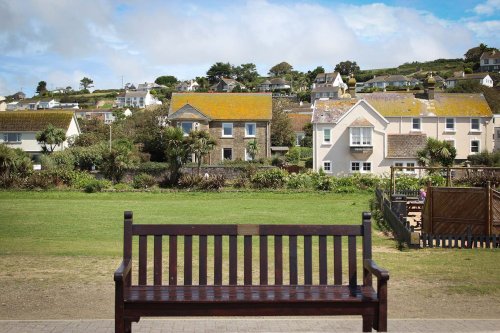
460,241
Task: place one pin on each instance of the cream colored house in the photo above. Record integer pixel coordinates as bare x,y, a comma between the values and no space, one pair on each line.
370,133
18,129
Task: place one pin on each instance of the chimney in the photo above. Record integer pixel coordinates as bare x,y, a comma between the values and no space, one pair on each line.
351,84
431,83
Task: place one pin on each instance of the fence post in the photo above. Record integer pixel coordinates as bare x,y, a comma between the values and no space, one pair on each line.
489,214
469,237
448,177
393,182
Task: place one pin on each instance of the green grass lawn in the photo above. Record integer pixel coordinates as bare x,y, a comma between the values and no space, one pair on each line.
77,238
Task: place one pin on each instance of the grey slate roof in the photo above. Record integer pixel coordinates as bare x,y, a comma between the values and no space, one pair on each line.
405,145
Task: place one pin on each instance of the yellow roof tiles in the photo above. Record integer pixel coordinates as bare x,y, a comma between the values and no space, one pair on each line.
226,106
443,105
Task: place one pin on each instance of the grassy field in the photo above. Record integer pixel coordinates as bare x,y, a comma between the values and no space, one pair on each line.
55,246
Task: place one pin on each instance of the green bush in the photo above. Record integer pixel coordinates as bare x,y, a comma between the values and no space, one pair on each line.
143,180
152,168
309,163
213,183
39,181
299,181
96,185
272,178
323,183
79,179
278,161
122,187
188,180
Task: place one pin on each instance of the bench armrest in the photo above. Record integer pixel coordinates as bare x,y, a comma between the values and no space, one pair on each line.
381,274
123,271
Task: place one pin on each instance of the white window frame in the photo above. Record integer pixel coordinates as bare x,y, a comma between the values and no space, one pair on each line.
446,129
362,166
329,170
298,139
227,125
182,127
363,136
478,129
19,137
406,167
478,146
254,130
223,149
329,142
413,124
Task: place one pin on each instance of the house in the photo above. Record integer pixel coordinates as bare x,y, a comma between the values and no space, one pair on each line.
327,85
137,99
12,106
490,61
19,96
232,120
227,85
385,81
264,86
147,86
190,85
34,104
18,129
3,104
299,120
105,115
372,132
483,78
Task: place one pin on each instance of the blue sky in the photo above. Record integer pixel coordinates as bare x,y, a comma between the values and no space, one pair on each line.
61,41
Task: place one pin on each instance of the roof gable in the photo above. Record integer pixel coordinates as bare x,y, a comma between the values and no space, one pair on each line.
226,106
34,121
188,112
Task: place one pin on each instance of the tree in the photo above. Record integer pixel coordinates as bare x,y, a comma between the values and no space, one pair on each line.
347,67
281,126
311,75
13,163
86,83
308,135
253,149
50,138
200,143
41,89
218,71
437,153
166,80
280,69
115,162
473,55
203,83
176,152
246,74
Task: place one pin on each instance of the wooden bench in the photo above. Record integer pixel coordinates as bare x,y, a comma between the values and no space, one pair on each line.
221,285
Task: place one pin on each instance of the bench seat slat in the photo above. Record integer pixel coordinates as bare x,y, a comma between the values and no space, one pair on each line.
236,294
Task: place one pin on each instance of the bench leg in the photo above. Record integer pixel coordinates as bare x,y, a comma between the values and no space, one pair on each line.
128,326
381,318
367,322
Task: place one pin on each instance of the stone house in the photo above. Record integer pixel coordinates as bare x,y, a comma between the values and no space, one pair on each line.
232,120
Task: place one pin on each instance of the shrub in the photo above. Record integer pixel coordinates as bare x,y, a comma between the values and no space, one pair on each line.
240,182
278,161
143,180
152,168
309,163
96,185
78,179
323,183
299,181
121,187
39,181
188,180
213,183
273,178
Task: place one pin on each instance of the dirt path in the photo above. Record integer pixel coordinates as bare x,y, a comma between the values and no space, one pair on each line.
83,288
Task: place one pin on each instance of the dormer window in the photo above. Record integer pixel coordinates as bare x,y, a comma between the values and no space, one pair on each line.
361,136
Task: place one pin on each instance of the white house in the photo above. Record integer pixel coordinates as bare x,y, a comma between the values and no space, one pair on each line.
190,85
490,61
18,129
3,104
138,99
384,81
374,131
483,78
327,85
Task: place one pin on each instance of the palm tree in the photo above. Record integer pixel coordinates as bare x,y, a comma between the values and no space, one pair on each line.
252,148
200,143
50,138
175,152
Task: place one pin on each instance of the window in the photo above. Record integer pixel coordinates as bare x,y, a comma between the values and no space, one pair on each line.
361,136
186,127
474,124
474,146
450,124
250,129
361,166
327,166
298,139
415,124
12,137
399,165
227,129
410,167
327,135
486,61
227,153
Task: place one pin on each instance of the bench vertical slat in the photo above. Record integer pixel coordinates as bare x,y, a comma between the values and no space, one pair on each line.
172,260
278,260
233,260
337,260
218,260
323,261
158,260
352,261
307,259
293,259
263,260
203,260
367,246
143,260
247,257
188,260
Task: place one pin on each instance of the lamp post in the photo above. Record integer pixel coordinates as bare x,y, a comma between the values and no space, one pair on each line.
109,122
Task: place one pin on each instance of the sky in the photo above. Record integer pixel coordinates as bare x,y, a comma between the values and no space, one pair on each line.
121,41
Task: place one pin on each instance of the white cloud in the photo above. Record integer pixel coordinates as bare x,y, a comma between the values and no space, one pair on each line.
487,8
486,29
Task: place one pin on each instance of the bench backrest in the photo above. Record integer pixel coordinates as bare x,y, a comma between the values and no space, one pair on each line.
272,247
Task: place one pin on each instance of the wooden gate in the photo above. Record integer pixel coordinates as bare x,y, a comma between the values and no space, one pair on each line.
495,212
452,210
